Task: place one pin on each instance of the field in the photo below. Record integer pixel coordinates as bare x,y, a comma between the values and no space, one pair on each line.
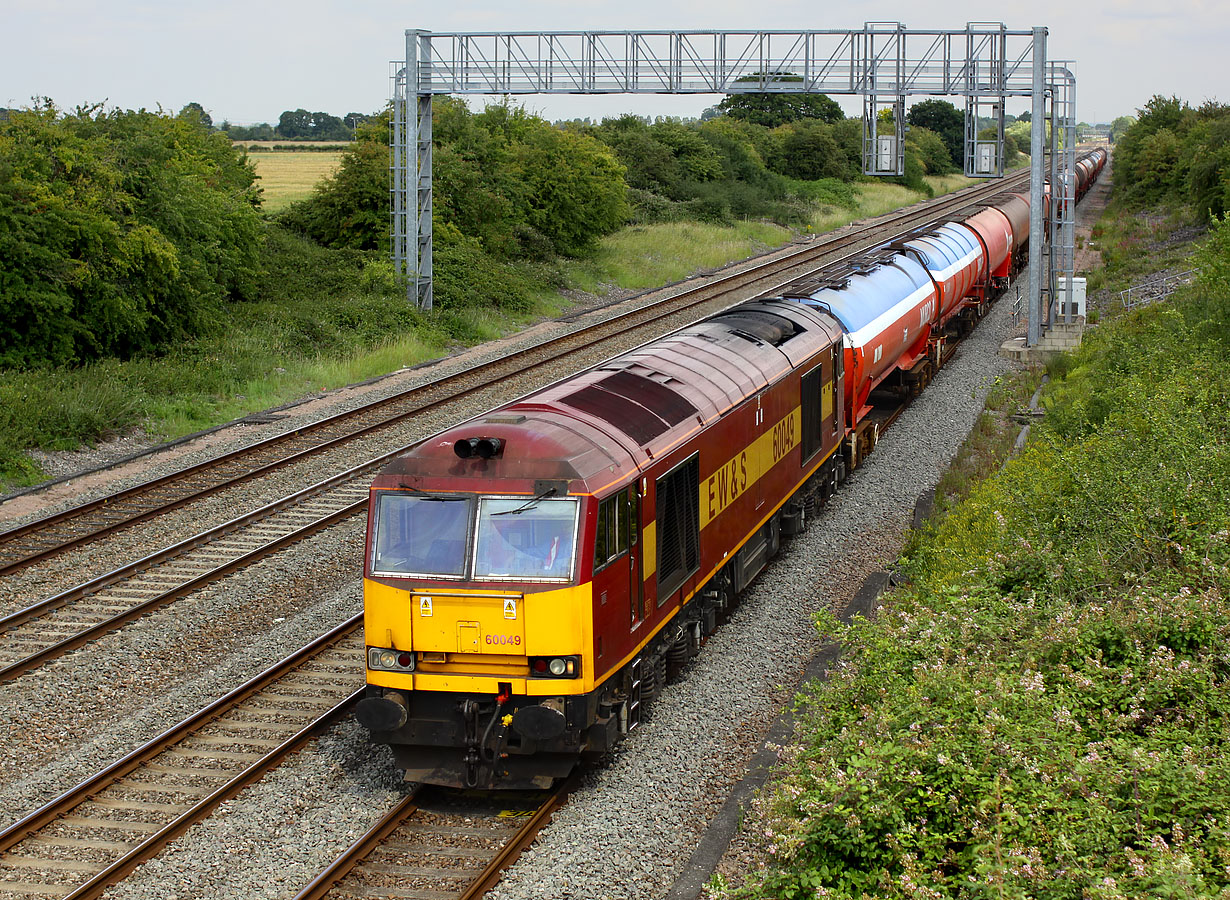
290,175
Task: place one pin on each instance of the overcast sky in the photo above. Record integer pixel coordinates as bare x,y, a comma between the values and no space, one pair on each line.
248,61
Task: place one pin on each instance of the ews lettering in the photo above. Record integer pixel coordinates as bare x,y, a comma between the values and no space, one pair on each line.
727,483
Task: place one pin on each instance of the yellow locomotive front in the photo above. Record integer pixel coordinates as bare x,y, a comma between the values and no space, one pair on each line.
478,611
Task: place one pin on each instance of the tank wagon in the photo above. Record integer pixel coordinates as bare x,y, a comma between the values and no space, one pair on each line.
535,575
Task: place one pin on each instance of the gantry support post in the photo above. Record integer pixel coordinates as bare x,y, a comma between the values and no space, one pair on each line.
1037,171
413,112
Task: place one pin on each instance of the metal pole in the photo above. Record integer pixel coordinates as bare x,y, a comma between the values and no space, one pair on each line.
423,178
412,166
1036,132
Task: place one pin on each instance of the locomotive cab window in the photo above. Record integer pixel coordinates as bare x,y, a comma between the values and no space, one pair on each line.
525,539
421,535
615,532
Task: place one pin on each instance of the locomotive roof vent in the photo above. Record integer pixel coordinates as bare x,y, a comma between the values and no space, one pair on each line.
759,326
482,447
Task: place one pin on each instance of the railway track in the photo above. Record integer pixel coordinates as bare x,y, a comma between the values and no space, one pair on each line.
80,525
431,846
438,845
94,834
71,618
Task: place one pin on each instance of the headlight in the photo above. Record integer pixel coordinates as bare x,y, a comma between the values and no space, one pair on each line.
555,666
383,659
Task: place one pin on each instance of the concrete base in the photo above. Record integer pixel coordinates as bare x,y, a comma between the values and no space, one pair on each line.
1059,338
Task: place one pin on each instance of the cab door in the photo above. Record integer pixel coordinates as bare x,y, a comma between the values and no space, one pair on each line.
636,583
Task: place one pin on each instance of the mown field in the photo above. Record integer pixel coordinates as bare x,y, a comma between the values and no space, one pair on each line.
287,176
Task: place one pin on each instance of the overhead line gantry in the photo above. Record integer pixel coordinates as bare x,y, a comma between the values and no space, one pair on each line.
883,62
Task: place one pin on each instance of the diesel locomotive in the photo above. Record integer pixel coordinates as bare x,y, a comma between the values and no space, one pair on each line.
534,575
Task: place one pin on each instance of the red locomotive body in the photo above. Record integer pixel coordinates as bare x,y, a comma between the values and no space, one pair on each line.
552,557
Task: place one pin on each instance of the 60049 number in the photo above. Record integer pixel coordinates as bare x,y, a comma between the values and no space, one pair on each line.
507,639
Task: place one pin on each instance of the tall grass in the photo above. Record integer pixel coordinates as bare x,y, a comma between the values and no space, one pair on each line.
645,256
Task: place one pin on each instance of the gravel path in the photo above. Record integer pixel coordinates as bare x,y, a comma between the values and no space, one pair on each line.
625,834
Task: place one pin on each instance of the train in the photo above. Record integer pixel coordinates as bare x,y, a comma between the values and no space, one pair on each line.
535,575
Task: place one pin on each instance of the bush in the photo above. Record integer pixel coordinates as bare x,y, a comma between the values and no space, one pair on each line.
1041,711
120,233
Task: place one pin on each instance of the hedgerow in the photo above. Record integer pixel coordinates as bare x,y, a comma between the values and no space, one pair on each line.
1042,712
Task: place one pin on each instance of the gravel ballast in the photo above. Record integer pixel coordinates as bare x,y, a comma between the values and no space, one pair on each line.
638,817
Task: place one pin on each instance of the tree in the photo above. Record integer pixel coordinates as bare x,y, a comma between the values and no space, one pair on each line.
120,232
503,179
299,124
1120,126
930,149
809,152
945,120
576,187
772,110
350,209
194,112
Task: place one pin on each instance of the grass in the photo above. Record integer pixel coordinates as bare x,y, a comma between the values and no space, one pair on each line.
1136,247
989,443
287,176
331,318
649,255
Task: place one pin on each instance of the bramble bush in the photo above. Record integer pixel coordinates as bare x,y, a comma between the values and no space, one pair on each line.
1042,711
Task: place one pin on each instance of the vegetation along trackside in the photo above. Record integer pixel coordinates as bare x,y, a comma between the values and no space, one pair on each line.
1040,710
157,275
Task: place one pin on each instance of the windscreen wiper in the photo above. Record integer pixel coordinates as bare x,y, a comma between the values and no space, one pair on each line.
438,498
527,504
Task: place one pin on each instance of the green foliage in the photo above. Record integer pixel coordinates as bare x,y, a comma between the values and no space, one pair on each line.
503,177
716,171
772,110
1213,261
259,132
1119,127
301,125
120,232
194,112
930,149
1041,713
574,187
809,152
350,209
1174,153
945,120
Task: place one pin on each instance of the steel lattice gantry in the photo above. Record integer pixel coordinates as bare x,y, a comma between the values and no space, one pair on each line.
883,62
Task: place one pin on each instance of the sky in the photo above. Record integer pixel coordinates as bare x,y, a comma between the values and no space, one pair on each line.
248,61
